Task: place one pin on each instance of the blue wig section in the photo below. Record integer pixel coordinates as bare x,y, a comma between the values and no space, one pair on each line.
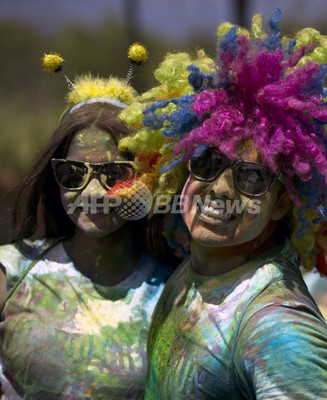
322,211
321,134
196,77
315,85
201,81
310,191
316,200
272,41
291,45
153,120
228,43
200,150
305,224
181,120
172,164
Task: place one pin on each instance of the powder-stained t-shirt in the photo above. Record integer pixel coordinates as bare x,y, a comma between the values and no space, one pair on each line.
65,337
252,333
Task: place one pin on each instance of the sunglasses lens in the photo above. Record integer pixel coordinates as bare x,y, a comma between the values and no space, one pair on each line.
208,165
71,175
252,179
112,173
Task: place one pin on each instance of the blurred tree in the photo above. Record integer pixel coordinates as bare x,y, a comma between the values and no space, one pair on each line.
133,21
241,7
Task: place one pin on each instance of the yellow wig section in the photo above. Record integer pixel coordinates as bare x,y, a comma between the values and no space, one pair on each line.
309,36
225,27
88,87
153,149
172,75
306,246
257,31
304,37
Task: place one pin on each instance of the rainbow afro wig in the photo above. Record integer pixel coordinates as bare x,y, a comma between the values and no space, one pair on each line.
262,88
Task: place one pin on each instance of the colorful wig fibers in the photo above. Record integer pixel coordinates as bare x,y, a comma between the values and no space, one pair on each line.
269,90
153,150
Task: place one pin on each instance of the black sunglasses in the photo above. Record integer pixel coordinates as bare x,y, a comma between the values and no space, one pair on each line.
75,175
250,178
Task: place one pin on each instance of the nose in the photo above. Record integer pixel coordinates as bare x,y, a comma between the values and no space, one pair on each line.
94,188
223,186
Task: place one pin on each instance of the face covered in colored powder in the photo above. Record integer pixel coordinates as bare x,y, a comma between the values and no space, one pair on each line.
218,214
92,146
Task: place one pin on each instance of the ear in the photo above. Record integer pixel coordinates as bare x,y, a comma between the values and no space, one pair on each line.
283,205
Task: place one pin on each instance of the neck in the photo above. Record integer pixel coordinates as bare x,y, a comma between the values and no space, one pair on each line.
211,261
106,260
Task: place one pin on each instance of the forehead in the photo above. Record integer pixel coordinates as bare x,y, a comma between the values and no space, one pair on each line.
93,145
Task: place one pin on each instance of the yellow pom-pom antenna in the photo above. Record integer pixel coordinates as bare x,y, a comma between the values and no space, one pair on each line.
137,53
52,62
88,89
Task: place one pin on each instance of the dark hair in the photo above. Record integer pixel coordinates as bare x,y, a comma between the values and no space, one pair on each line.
38,211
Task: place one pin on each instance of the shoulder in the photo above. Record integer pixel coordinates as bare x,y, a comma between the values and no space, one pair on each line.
280,299
285,307
276,276
24,248
281,346
16,257
280,262
12,259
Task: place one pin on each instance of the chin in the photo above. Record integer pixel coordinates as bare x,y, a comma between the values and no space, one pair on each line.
211,236
95,232
98,226
207,240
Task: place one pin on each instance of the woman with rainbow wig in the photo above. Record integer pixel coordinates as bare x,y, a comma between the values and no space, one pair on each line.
236,321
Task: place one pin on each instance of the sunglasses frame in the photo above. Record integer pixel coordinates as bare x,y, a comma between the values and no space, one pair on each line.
92,169
234,164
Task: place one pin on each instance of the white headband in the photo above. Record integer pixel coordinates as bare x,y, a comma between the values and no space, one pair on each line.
109,100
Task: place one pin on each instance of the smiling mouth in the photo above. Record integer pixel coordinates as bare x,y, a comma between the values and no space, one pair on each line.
214,215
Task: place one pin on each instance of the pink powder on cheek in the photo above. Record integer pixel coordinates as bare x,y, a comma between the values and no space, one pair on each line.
191,188
194,187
